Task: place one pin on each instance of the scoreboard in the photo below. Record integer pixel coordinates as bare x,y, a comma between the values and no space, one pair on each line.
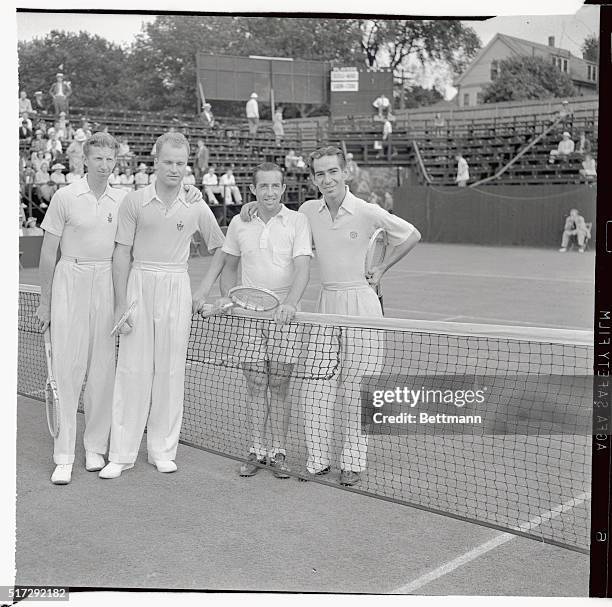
352,91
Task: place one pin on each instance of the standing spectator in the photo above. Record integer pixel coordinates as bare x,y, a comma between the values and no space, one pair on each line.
564,149
54,145
439,124
387,139
388,202
25,105
566,113
291,160
252,114
463,170
211,186
589,168
141,178
57,175
127,179
189,178
584,145
76,153
207,116
200,166
44,190
574,226
39,106
231,192
382,105
114,179
60,91
277,125
124,154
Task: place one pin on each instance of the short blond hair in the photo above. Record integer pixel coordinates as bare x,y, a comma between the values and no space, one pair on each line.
176,140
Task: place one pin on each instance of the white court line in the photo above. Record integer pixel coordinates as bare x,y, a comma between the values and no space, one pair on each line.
397,270
506,321
488,546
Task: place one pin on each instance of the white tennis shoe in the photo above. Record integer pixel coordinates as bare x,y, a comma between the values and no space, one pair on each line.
114,470
93,461
166,466
62,474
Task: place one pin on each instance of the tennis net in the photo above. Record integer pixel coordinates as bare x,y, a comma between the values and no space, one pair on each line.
516,457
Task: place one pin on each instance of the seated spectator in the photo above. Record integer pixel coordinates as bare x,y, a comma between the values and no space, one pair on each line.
75,153
141,179
25,134
114,179
69,132
374,198
86,128
57,174
231,192
54,145
22,217
73,176
25,105
291,160
28,174
44,189
31,228
589,168
574,226
38,143
41,125
37,159
25,119
127,179
189,178
211,186
300,163
352,170
584,145
463,170
207,116
388,202
39,106
564,149
124,154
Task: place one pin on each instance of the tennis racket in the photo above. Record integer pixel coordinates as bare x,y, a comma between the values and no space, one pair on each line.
51,395
250,298
123,318
375,254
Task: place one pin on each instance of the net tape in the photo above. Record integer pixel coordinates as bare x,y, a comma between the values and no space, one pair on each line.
526,469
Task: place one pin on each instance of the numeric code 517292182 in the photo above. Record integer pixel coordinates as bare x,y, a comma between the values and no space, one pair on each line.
39,593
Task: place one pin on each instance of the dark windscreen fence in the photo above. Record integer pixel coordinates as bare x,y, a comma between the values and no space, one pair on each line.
486,424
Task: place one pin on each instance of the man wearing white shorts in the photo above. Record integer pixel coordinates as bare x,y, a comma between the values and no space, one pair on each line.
155,226
76,302
275,251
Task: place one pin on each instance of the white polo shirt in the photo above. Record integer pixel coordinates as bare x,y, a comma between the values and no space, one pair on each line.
267,250
342,243
161,234
86,226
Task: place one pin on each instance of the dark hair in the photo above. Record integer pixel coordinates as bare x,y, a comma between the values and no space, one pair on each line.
267,166
330,150
100,140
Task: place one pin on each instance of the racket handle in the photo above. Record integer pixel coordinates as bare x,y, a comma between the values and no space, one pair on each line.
217,310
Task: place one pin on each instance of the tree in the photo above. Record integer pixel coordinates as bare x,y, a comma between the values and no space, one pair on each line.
590,48
417,96
522,78
91,63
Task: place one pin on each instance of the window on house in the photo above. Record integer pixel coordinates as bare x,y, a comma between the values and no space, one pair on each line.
479,98
466,99
494,70
560,63
592,73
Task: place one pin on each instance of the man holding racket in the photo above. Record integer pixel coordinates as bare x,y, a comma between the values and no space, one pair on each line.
274,249
342,226
155,226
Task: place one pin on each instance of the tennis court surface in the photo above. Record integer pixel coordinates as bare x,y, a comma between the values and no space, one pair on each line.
525,469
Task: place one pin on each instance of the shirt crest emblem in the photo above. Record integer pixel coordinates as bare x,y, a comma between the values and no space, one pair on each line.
354,235
110,218
180,226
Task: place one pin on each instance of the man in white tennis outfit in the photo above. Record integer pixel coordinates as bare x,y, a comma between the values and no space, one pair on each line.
155,226
274,249
77,303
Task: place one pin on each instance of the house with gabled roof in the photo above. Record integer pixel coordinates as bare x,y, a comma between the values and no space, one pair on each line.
485,67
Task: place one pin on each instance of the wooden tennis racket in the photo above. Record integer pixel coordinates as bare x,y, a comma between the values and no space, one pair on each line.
123,318
375,255
52,404
250,298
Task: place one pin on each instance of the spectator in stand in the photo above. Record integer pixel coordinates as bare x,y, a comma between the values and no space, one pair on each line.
25,105
127,179
114,179
387,139
566,114
31,228
200,166
388,202
277,125
291,160
57,174
189,178
25,119
463,170
252,114
589,169
86,128
231,192
25,133
574,226
70,132
75,152
124,154
211,186
29,173
39,106
382,105
352,170
44,190
141,179
38,158
40,125
207,116
439,124
60,91
374,198
564,149
54,145
584,145
73,176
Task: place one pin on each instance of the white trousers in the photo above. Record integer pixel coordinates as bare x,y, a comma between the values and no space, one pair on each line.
81,322
151,367
361,354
